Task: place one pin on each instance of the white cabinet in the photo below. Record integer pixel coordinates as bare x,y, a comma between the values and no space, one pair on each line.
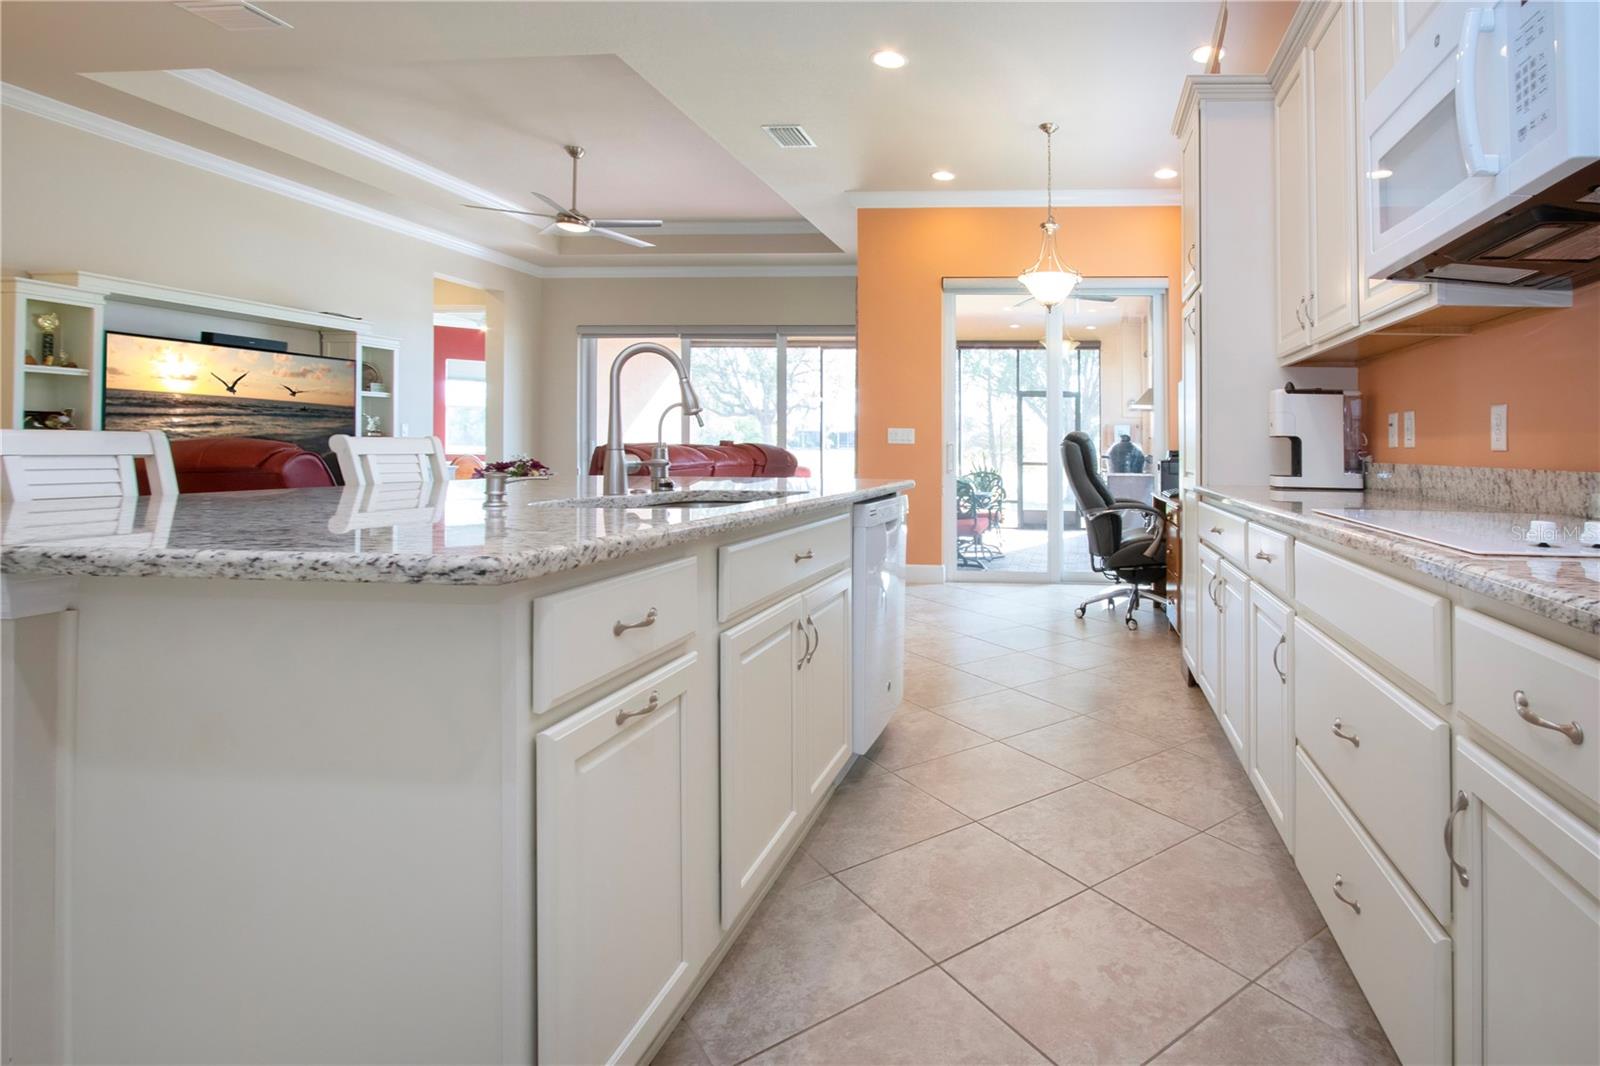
1193,593
1189,175
822,703
1332,306
1233,598
1527,920
1270,742
1208,633
1189,401
760,814
1292,225
615,895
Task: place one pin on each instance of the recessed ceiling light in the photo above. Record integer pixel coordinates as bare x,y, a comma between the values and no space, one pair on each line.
1016,325
1091,327
942,175
1202,54
1380,173
1166,173
888,59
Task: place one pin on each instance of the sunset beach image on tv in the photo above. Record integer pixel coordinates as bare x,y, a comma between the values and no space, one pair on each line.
188,389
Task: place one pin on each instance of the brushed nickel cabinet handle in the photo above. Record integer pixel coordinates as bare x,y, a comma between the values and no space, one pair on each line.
1283,678
1338,731
1338,883
801,557
1299,316
1571,730
1217,530
1189,255
1264,556
649,708
1450,837
805,656
620,627
1311,309
816,641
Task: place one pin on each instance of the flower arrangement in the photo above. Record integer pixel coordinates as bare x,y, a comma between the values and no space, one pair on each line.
521,466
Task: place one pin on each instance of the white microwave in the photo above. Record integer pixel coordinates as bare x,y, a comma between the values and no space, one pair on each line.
1481,142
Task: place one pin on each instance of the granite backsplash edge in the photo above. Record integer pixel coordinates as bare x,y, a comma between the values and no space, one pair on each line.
1490,488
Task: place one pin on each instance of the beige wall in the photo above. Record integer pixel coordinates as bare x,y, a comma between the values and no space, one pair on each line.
73,201
571,304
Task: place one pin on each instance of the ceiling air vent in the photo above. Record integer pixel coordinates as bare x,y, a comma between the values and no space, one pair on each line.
790,136
234,15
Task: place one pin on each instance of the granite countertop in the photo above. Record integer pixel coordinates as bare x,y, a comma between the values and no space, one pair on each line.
389,534
1560,589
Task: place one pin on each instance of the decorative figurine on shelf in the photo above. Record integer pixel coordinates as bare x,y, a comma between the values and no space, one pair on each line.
48,419
48,323
66,361
27,357
374,426
371,380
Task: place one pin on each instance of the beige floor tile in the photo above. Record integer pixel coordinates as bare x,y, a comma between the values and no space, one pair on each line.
1256,1028
1087,981
1088,832
1213,746
1196,791
1318,981
681,1049
1004,713
1019,638
807,954
914,735
1015,668
1087,655
1084,691
1161,716
1245,912
928,1019
951,648
802,870
948,893
874,818
1251,830
982,781
928,683
1085,746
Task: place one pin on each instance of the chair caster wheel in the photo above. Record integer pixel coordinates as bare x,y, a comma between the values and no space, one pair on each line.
1132,623
1079,612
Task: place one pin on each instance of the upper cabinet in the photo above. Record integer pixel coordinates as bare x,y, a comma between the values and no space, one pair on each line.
1292,231
1190,176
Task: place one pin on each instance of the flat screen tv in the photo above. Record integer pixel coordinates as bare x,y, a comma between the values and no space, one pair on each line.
190,389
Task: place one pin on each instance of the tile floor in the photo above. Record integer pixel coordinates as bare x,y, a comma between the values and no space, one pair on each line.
1051,855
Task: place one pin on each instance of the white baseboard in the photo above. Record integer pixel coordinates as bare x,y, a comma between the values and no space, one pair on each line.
924,573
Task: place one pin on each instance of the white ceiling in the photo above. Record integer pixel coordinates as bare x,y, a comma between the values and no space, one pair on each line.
668,98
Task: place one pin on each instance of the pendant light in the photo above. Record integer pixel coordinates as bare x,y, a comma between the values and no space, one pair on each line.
1049,281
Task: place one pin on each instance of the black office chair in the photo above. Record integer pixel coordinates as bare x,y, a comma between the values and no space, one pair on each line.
1134,560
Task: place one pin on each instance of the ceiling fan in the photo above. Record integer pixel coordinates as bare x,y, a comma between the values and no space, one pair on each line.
571,220
1082,297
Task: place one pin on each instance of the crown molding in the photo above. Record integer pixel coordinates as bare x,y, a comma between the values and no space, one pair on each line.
648,271
1295,35
1198,87
1016,198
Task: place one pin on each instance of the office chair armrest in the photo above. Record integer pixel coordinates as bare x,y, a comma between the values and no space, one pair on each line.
1124,505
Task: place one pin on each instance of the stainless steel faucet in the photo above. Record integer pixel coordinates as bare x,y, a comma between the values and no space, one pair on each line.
618,465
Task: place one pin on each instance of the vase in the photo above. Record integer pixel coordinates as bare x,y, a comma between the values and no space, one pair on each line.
494,489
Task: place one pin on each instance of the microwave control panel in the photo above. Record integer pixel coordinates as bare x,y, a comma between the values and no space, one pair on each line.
1530,40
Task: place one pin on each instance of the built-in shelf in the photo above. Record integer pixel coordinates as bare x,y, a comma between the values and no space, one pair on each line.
64,371
375,394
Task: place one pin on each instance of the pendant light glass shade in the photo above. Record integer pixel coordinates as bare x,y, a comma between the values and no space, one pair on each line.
1049,281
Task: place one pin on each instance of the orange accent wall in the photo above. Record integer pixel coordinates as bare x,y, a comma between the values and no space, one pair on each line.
903,257
1545,367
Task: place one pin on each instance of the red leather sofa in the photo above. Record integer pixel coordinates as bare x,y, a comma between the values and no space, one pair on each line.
231,464
715,460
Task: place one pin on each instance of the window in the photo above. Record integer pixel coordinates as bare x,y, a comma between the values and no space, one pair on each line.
796,390
466,407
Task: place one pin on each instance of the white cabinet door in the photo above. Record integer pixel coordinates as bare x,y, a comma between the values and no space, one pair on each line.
1292,182
1332,307
1189,405
1193,594
1271,734
1527,921
757,715
822,707
1209,631
1233,593
613,890
1189,175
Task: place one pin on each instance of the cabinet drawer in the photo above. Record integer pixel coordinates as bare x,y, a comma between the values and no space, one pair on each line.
1494,662
587,634
1396,623
1388,756
1223,531
756,570
1268,561
1398,953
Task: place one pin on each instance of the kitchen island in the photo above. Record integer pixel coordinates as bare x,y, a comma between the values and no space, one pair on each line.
381,775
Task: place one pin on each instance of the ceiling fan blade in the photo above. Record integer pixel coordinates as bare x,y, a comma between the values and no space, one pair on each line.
628,223
1020,303
1094,298
551,228
623,237
559,209
509,210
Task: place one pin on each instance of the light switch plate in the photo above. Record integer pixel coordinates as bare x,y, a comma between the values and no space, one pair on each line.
1411,429
1394,429
902,435
1497,427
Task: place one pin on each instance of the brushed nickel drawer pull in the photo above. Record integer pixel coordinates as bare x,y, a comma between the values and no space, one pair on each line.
621,627
1263,556
801,557
649,708
816,640
1450,837
805,656
1283,678
1571,730
1338,731
1338,883
1217,530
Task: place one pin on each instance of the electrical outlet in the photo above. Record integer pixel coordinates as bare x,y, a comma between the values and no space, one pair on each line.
902,435
1394,429
1411,429
1497,427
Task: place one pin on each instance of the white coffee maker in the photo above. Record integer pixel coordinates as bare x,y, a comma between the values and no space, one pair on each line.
1320,431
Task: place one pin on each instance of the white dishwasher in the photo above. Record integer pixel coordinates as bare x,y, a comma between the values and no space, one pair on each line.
878,625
